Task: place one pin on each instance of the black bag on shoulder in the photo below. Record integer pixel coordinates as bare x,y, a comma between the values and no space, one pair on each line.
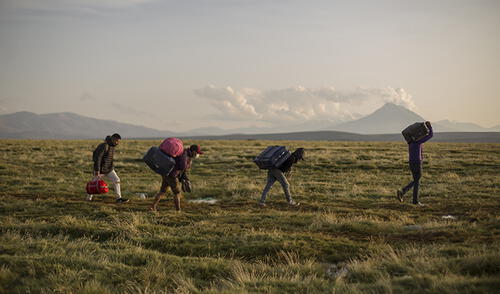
415,132
272,157
159,161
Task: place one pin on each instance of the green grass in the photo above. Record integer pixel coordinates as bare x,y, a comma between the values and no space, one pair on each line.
350,235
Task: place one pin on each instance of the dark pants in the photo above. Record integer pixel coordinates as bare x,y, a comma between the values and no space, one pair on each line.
416,172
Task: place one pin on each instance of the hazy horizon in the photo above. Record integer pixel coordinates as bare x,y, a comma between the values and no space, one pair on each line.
180,65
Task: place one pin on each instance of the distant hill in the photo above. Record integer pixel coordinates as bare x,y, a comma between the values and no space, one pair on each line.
457,137
67,125
466,127
388,119
392,118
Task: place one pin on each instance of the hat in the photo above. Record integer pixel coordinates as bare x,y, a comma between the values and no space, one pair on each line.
196,148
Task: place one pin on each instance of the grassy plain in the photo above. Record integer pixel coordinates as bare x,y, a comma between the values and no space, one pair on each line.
350,235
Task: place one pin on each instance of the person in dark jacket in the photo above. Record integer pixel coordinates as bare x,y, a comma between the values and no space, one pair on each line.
103,164
415,152
173,180
280,174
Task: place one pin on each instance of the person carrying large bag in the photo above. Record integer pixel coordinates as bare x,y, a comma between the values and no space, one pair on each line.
177,174
415,160
273,159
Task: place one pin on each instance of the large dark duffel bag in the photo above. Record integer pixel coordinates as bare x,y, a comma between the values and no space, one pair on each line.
415,132
158,161
272,157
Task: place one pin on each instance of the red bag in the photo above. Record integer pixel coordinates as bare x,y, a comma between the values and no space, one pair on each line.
172,147
97,186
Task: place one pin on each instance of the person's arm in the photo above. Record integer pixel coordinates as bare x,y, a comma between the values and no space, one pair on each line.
100,154
428,136
180,165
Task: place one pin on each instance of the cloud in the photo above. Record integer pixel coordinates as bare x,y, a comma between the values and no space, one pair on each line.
362,95
232,103
298,103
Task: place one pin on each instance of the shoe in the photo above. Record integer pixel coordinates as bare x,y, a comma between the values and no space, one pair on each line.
121,200
399,195
419,204
293,203
89,197
262,204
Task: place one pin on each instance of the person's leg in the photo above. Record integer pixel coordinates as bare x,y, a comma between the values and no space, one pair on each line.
416,170
175,186
270,182
113,177
410,185
400,193
177,202
280,177
162,191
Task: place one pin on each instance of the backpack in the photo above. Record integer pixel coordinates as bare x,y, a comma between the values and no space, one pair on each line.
95,154
272,157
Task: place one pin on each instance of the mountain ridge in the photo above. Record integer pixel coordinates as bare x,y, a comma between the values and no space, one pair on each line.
68,125
388,119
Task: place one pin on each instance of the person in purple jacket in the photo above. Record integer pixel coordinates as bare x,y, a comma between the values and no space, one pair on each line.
172,180
415,160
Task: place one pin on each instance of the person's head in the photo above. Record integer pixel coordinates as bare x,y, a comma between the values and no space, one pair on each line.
299,153
115,138
195,151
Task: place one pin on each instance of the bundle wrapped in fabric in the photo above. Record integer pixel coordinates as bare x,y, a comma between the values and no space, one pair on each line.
172,146
159,161
415,132
272,157
97,186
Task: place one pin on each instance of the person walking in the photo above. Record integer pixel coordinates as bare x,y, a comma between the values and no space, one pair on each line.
280,174
415,152
103,165
172,180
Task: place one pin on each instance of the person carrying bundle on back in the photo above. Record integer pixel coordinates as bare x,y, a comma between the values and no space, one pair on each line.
415,152
178,174
279,172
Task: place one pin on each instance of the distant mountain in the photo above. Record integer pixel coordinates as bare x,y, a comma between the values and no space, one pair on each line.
462,126
388,119
67,125
456,137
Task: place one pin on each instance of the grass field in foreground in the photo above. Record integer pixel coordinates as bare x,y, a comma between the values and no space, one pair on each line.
350,235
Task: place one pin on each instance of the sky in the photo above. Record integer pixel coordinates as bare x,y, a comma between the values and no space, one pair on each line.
180,65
